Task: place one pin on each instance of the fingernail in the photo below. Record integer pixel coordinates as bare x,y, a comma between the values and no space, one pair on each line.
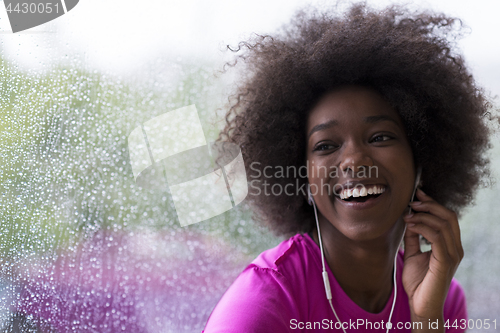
411,224
409,215
416,203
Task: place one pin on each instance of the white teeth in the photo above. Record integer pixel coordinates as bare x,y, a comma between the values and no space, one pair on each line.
361,192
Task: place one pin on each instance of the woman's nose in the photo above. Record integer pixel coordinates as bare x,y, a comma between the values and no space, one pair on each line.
355,157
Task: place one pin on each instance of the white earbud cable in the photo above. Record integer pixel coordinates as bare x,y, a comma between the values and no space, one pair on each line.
326,281
324,273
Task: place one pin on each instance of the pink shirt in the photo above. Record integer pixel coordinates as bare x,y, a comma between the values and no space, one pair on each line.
282,291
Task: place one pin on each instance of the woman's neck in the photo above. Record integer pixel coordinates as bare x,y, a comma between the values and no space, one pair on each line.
364,269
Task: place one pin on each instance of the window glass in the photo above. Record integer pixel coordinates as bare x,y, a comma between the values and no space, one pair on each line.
84,247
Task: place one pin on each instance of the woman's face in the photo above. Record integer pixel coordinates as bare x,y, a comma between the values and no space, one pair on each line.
360,164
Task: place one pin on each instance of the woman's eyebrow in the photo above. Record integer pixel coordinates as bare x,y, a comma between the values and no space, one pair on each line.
374,119
369,120
322,126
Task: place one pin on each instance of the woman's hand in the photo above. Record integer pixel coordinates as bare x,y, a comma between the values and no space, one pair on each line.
427,276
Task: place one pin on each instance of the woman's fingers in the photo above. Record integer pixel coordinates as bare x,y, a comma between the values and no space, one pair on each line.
412,243
439,226
427,204
438,231
446,260
430,205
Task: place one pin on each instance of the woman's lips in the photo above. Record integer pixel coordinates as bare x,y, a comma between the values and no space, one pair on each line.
358,205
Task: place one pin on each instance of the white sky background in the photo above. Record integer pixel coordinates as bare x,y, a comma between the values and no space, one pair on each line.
120,36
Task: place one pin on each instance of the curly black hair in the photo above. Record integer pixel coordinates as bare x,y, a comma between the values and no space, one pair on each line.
407,57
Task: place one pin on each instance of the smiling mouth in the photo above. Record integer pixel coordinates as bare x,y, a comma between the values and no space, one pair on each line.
361,193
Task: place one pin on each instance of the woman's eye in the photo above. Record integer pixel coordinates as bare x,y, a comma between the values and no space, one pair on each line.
324,146
380,138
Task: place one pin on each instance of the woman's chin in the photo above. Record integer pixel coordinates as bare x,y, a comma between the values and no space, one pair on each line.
361,230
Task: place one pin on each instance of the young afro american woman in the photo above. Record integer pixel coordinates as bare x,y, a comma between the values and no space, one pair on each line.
392,129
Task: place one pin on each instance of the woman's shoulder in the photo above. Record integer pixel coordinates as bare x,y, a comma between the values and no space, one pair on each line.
290,252
293,259
270,282
282,269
